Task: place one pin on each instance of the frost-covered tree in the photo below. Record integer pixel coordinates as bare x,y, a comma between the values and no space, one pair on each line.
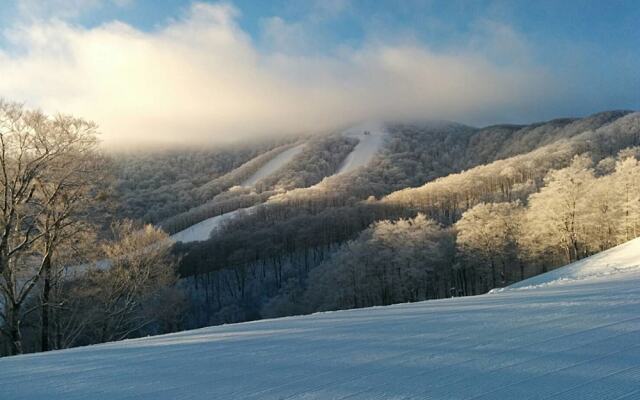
487,237
392,261
626,181
557,216
128,293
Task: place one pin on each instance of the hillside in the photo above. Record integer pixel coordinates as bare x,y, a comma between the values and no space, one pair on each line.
286,255
573,334
370,216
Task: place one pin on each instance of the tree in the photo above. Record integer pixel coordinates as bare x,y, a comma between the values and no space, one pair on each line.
488,237
557,215
120,294
390,262
46,166
627,191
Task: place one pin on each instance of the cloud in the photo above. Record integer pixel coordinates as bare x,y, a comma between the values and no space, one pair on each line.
201,78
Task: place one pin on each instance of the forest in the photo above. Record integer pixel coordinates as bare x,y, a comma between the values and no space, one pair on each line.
443,210
271,262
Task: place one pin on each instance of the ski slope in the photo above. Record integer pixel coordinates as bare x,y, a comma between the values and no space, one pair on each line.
574,335
618,259
273,165
368,145
202,230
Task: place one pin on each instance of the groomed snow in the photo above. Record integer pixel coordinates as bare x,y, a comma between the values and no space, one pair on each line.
618,259
273,165
202,230
367,147
578,340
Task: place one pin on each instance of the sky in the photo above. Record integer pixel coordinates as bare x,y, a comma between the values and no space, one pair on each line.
179,71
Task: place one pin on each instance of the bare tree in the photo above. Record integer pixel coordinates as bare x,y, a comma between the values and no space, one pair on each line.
45,177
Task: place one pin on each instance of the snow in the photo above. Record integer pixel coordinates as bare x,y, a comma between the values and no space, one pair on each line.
273,165
202,230
367,147
618,259
576,340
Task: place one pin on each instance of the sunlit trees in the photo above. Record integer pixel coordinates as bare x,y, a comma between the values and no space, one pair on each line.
487,238
390,262
557,215
626,181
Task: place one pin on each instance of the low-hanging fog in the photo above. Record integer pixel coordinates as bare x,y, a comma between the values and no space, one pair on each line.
201,78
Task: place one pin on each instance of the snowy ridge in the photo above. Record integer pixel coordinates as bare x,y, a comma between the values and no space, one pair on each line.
579,340
619,259
273,165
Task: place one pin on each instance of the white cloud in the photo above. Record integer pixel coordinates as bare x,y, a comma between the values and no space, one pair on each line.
201,78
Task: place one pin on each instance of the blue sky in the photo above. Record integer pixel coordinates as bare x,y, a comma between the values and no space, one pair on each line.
558,58
601,25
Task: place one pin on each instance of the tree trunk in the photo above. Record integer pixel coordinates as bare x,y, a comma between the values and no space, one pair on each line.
493,274
46,297
14,330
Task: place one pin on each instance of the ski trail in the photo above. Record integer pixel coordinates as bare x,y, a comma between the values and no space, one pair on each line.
371,137
203,229
273,165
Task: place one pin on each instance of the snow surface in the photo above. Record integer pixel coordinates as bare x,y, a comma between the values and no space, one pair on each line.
367,147
618,259
577,340
202,230
273,165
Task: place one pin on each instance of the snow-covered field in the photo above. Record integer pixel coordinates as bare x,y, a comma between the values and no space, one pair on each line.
367,147
573,334
202,230
273,165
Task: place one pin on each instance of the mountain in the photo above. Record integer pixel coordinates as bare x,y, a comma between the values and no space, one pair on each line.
278,249
569,334
374,215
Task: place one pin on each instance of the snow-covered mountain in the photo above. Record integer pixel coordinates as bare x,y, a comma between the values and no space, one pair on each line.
370,139
573,333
